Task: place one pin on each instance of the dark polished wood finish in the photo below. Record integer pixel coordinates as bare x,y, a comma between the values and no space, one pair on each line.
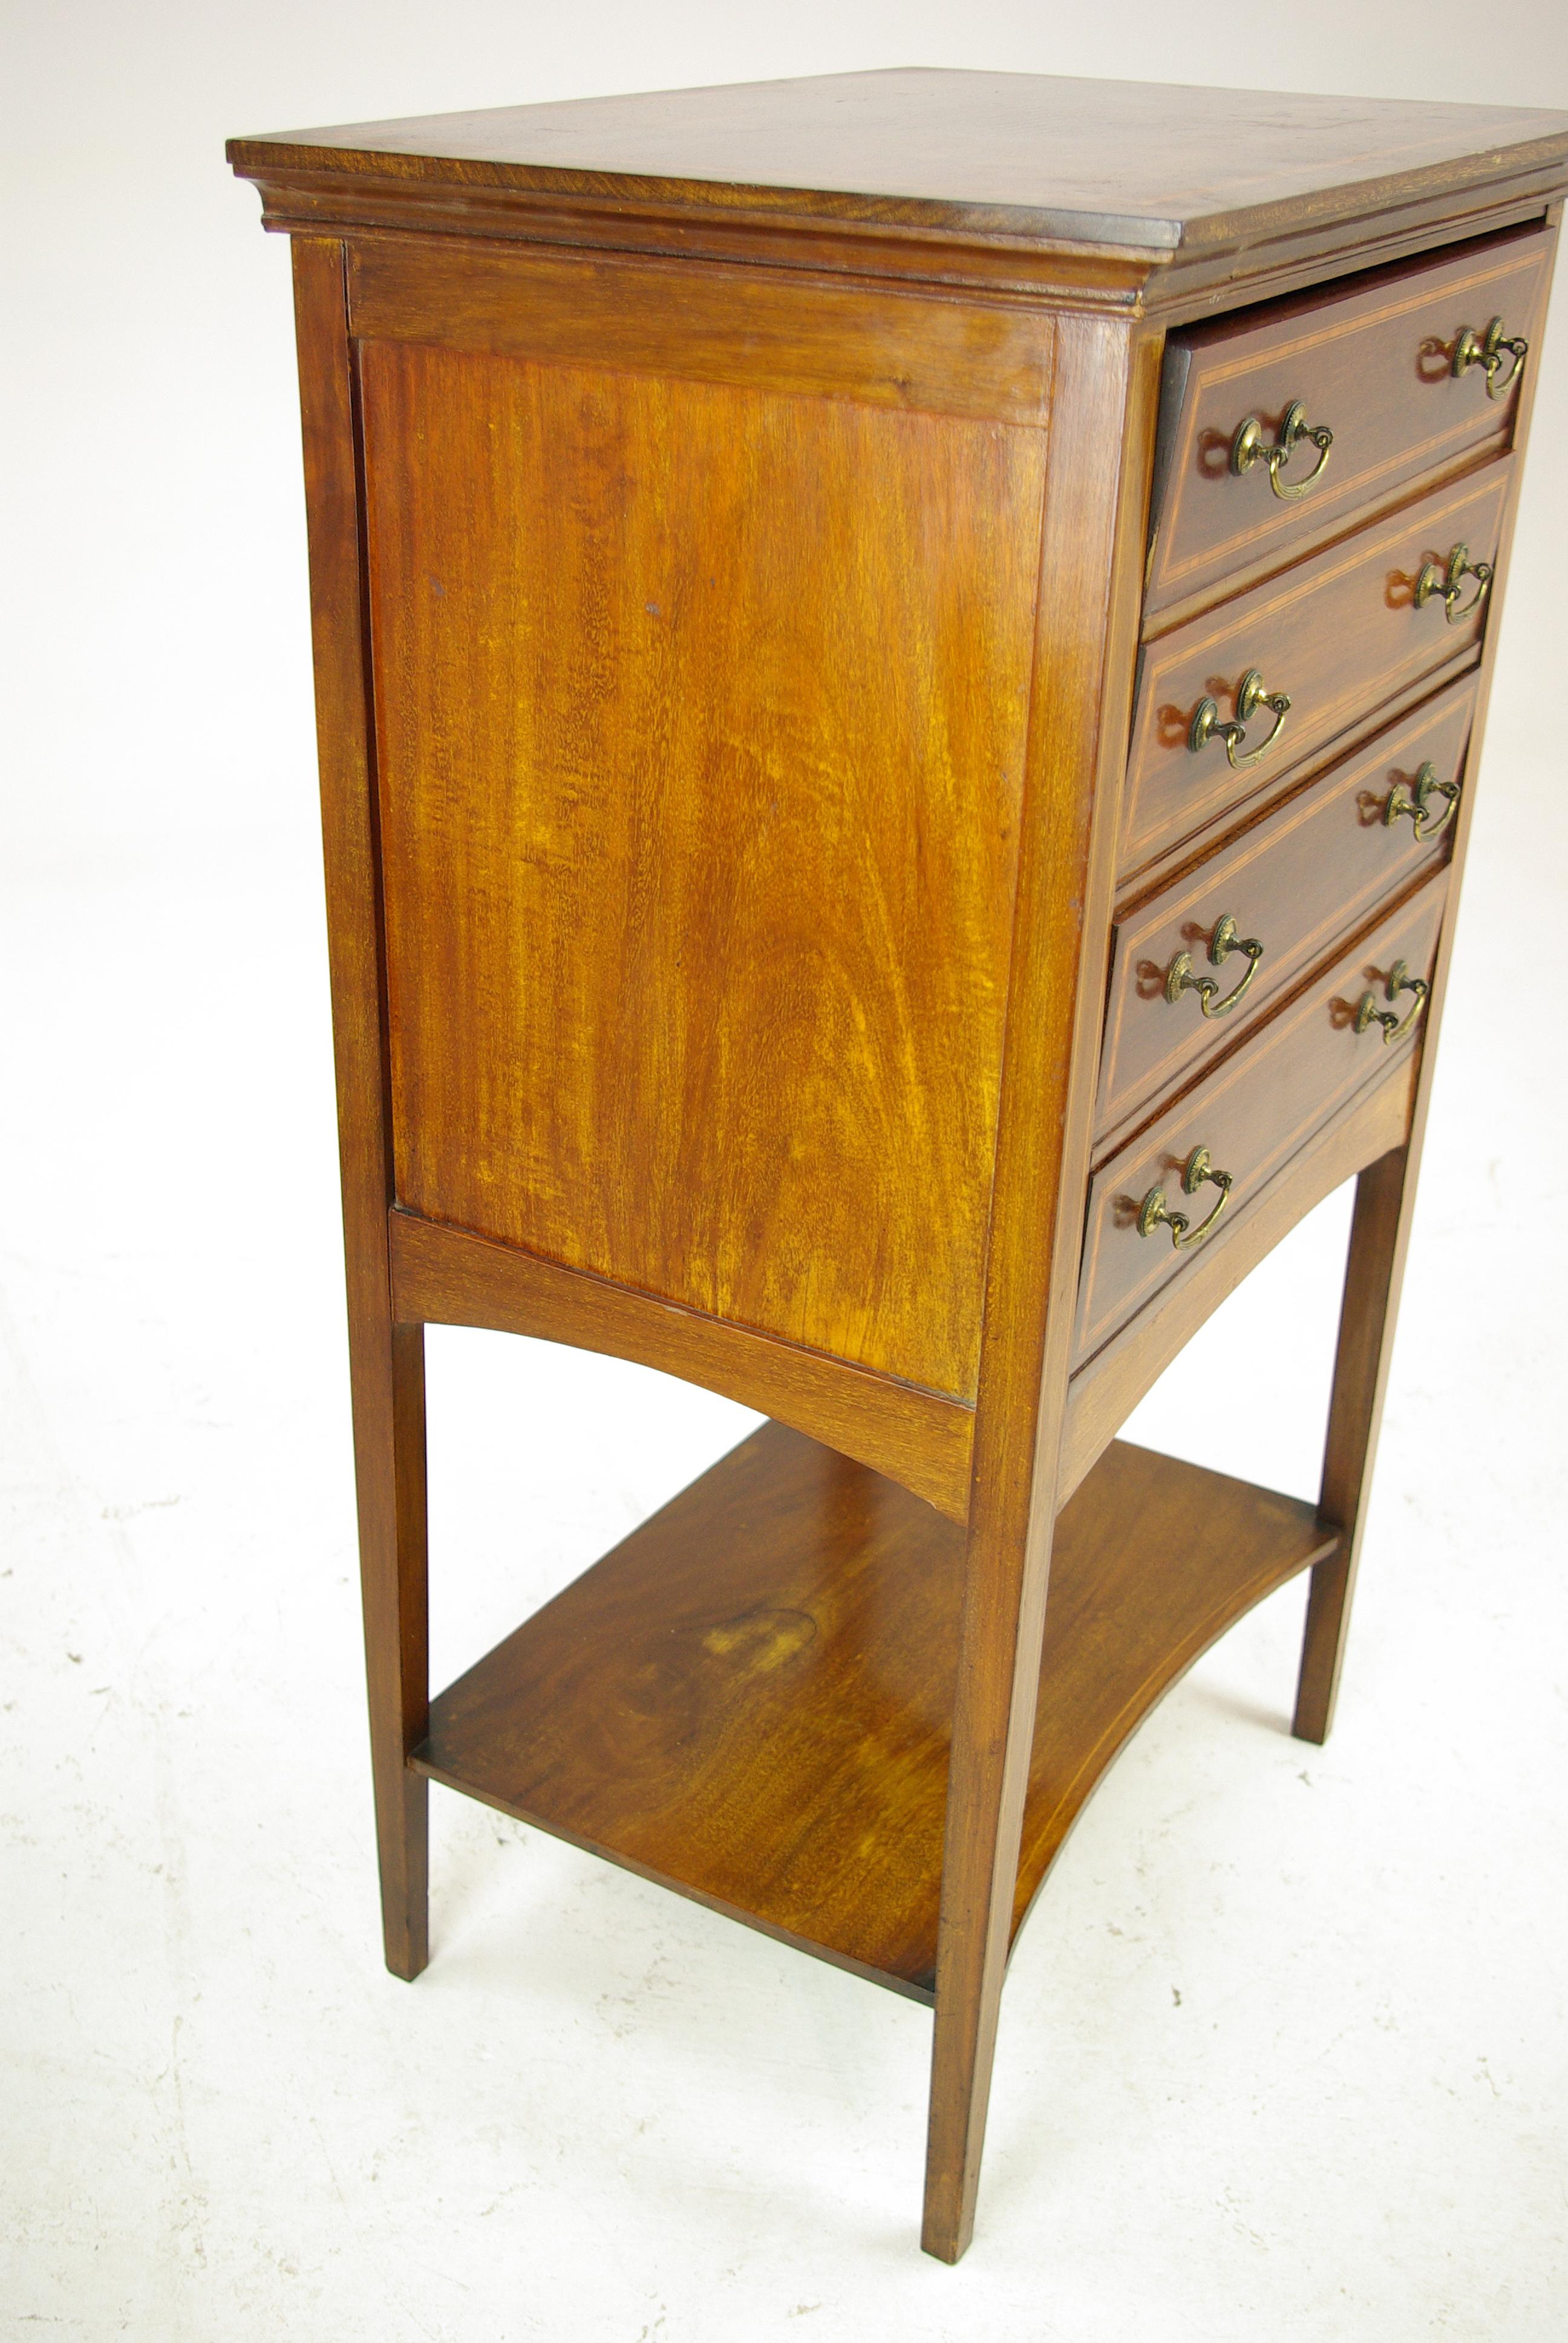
768,549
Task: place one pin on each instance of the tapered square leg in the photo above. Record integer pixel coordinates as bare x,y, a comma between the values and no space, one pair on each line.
1378,1235
389,1428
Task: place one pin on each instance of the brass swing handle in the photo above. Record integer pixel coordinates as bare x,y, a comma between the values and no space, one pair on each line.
1416,801
1394,1028
1472,348
1449,582
1154,1210
1248,447
1180,979
1249,697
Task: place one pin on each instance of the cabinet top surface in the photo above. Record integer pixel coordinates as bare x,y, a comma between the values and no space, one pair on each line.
1144,164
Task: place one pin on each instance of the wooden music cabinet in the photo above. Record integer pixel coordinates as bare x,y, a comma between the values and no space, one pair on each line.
898,660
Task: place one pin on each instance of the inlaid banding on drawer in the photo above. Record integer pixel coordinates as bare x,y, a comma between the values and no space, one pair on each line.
1290,886
1371,364
1256,1111
1337,637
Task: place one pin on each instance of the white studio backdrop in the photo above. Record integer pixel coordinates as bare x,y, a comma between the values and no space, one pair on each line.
203,2139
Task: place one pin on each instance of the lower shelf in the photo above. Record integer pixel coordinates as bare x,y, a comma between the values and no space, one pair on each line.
749,1699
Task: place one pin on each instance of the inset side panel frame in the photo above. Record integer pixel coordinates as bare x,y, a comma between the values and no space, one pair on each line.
1097,490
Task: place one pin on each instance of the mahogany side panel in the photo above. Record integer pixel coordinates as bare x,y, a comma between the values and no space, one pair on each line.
701,728
446,1277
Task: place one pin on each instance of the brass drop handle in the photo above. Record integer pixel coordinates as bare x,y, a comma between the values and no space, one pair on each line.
1486,351
1154,1210
1416,801
1248,447
1179,978
1450,583
1395,1027
1249,697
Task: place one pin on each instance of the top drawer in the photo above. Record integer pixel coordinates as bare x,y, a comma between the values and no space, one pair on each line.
1373,362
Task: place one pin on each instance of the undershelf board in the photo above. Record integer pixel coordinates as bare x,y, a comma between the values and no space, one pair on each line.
749,1700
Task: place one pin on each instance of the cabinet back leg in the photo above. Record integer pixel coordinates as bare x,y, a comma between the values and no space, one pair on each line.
1378,1236
389,1441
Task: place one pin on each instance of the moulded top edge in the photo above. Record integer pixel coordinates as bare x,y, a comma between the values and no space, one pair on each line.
1143,165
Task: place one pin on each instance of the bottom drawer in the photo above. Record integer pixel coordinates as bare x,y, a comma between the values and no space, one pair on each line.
1208,1156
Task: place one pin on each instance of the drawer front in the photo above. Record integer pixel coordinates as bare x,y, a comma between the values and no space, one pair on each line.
1339,636
1373,362
1312,871
1255,1111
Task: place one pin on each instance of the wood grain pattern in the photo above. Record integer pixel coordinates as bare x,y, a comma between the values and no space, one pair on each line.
749,1699
753,328
445,1277
701,725
1124,163
1298,879
386,1373
1260,1107
1104,1392
1339,633
1370,359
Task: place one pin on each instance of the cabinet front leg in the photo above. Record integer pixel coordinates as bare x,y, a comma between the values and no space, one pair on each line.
390,1429
1378,1237
993,1738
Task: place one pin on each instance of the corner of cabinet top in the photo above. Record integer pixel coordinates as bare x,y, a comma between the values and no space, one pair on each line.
1114,193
